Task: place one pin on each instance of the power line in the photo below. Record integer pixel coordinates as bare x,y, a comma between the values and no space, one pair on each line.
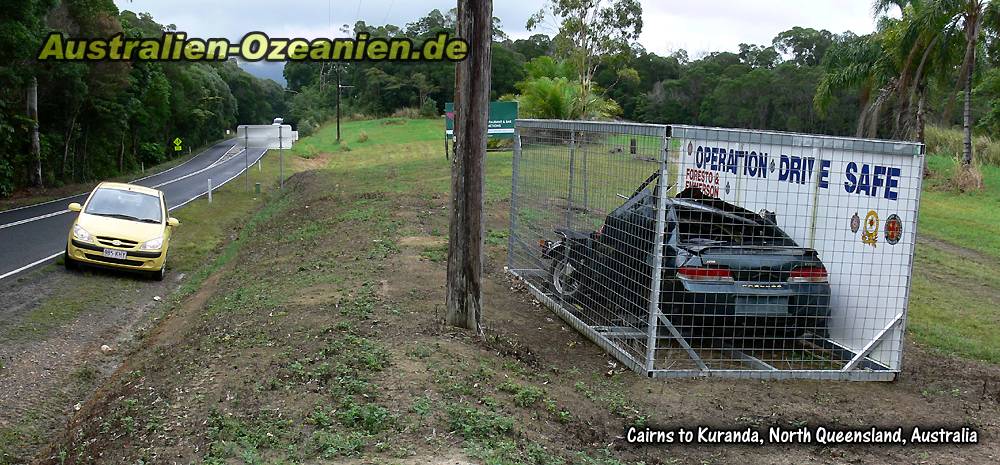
386,18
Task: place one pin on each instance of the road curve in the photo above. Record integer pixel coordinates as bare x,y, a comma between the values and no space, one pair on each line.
33,235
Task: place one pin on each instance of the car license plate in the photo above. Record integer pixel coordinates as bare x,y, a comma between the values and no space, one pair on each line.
761,305
112,253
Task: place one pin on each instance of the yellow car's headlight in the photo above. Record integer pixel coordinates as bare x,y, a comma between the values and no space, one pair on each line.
152,244
80,234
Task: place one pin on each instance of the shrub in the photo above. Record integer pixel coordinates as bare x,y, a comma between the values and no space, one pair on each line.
472,423
429,108
410,113
363,137
6,178
948,141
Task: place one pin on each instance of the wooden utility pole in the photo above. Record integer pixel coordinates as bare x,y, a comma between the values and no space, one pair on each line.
472,95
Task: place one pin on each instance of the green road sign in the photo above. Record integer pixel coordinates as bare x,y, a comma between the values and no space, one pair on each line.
501,125
177,144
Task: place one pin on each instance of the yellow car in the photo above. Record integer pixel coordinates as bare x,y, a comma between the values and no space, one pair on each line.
121,226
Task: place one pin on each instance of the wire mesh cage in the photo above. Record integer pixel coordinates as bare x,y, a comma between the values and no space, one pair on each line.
688,251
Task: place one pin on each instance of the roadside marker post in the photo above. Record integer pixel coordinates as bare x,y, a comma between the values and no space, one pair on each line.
246,158
209,190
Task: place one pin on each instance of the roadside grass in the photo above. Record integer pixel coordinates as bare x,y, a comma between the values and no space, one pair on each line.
955,304
970,220
358,134
955,292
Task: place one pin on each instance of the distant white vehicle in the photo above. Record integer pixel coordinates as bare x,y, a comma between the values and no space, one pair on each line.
278,121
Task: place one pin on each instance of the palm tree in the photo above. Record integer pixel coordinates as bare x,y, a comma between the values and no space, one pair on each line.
860,63
945,25
560,98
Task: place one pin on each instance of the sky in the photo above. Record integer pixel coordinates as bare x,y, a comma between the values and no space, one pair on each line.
699,27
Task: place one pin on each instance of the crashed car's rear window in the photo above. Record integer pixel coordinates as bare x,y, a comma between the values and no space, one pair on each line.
706,228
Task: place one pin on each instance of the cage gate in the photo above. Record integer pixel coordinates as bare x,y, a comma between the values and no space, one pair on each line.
689,251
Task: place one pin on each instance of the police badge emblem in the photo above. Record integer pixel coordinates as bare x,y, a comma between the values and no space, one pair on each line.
855,223
869,235
893,229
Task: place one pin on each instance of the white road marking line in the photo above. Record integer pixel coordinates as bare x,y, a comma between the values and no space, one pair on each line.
28,220
49,215
213,165
50,257
25,267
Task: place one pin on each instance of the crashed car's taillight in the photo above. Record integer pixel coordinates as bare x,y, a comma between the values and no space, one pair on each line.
808,274
696,273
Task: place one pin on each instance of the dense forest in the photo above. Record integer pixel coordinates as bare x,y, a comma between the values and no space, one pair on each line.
98,120
928,62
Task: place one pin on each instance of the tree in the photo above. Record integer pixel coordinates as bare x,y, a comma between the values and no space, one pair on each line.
805,45
759,56
592,30
534,46
859,63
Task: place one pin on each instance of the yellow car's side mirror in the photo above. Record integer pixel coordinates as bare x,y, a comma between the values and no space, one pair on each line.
172,222
75,207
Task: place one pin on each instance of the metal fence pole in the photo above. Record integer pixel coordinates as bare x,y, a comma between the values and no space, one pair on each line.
586,184
515,173
569,195
656,276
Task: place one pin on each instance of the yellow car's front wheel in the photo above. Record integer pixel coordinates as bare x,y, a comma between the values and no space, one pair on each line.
162,272
68,260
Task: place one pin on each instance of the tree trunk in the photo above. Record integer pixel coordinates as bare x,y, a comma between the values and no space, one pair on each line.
121,155
921,123
472,93
967,111
971,40
36,146
69,140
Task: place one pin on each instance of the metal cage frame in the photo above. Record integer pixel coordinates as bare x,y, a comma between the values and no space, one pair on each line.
639,347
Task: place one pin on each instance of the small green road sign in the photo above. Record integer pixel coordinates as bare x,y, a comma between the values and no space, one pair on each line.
501,124
177,144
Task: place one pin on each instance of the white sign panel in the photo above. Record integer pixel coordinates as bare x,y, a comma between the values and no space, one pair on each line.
266,136
854,201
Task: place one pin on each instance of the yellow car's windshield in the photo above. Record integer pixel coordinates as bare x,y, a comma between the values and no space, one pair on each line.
126,205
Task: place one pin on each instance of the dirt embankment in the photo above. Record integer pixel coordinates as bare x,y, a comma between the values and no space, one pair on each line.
323,341
56,351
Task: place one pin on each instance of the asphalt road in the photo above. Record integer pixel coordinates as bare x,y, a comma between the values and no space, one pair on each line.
36,234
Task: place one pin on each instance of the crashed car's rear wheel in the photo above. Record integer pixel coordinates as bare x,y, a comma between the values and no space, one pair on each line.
564,279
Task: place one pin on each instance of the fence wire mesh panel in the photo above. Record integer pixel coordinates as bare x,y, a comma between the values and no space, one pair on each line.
687,251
